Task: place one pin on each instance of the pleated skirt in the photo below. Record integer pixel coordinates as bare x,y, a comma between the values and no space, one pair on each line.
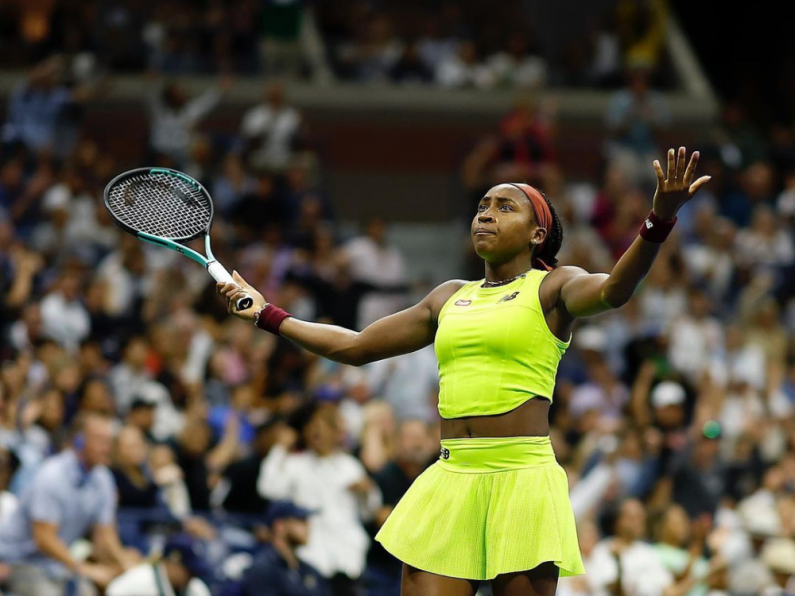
488,506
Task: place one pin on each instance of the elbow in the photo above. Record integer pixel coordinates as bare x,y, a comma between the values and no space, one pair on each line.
615,297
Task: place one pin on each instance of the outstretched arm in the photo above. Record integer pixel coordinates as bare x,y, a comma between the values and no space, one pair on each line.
400,333
583,294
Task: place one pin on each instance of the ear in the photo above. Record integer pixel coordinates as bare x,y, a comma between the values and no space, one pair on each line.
538,236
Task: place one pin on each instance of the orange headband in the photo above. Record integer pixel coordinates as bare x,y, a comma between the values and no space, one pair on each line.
542,213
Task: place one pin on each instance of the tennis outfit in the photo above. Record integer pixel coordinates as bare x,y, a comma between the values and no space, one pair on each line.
490,506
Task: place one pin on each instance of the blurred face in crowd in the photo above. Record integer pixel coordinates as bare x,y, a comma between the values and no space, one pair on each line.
675,526
131,448
70,286
292,529
415,444
504,225
98,436
631,522
142,417
97,398
135,352
52,410
195,438
321,433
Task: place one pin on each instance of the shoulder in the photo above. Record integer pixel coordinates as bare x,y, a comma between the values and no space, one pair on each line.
104,477
56,468
437,298
560,276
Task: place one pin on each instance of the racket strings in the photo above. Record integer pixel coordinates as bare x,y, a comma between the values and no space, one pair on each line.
161,205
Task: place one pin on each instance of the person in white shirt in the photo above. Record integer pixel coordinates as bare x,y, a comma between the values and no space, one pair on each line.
179,572
63,315
334,485
373,260
627,559
271,129
173,116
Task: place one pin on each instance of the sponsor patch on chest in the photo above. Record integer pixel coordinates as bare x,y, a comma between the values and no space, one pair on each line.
508,297
463,302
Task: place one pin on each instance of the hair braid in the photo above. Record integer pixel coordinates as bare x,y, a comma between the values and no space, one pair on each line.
554,239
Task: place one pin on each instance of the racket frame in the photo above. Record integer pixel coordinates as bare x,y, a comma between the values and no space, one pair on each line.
214,268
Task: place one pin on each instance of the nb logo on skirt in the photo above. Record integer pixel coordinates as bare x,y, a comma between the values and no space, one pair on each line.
444,453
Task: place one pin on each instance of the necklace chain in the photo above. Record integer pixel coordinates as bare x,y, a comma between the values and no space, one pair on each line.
502,282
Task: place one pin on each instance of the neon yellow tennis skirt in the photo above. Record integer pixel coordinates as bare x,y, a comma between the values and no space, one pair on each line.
488,506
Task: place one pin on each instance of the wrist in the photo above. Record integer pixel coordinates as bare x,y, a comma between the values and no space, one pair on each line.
664,215
656,229
270,318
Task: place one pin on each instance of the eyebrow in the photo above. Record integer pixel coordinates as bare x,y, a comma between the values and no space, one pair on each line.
499,199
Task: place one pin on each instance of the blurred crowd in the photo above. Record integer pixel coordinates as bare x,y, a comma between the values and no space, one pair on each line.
454,44
247,463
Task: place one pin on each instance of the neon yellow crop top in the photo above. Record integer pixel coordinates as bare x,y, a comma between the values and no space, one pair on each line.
494,348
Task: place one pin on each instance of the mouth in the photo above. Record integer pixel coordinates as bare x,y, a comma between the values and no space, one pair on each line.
483,232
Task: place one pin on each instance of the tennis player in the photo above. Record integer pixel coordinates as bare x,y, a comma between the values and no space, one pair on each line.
495,505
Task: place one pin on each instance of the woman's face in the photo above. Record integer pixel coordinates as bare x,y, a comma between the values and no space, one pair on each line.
131,447
505,225
320,435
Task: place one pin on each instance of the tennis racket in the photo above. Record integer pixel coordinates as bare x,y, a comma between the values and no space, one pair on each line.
167,208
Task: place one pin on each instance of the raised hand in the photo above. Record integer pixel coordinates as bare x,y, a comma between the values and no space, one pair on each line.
677,187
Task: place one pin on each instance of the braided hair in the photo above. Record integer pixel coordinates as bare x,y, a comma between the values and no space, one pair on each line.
554,239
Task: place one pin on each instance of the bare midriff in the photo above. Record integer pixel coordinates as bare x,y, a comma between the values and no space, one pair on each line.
531,419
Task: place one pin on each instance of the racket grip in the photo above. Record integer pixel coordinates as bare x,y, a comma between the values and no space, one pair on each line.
220,274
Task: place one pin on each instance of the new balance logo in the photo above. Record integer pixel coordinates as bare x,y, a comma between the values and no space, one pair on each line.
444,453
648,224
463,302
508,297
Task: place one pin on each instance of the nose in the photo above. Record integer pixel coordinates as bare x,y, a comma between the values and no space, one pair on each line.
485,217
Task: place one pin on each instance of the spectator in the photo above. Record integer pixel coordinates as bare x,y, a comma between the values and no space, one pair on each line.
240,477
178,572
276,569
272,130
520,65
415,452
35,542
373,260
635,116
330,482
173,118
680,549
133,482
37,108
625,563
63,315
463,69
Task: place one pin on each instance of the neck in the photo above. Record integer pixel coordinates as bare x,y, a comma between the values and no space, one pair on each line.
496,272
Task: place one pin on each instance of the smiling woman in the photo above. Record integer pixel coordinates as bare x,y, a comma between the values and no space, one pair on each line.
495,506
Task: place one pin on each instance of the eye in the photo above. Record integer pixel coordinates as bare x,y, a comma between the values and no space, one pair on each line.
506,208
481,207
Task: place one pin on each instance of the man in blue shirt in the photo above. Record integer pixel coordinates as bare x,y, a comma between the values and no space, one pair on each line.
71,493
276,570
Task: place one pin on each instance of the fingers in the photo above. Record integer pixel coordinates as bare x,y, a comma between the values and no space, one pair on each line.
671,173
691,168
659,172
680,163
239,279
698,184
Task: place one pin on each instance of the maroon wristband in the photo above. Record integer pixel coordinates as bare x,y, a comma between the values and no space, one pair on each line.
270,318
655,229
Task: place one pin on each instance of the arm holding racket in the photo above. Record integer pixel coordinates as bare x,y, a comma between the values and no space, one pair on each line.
403,332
